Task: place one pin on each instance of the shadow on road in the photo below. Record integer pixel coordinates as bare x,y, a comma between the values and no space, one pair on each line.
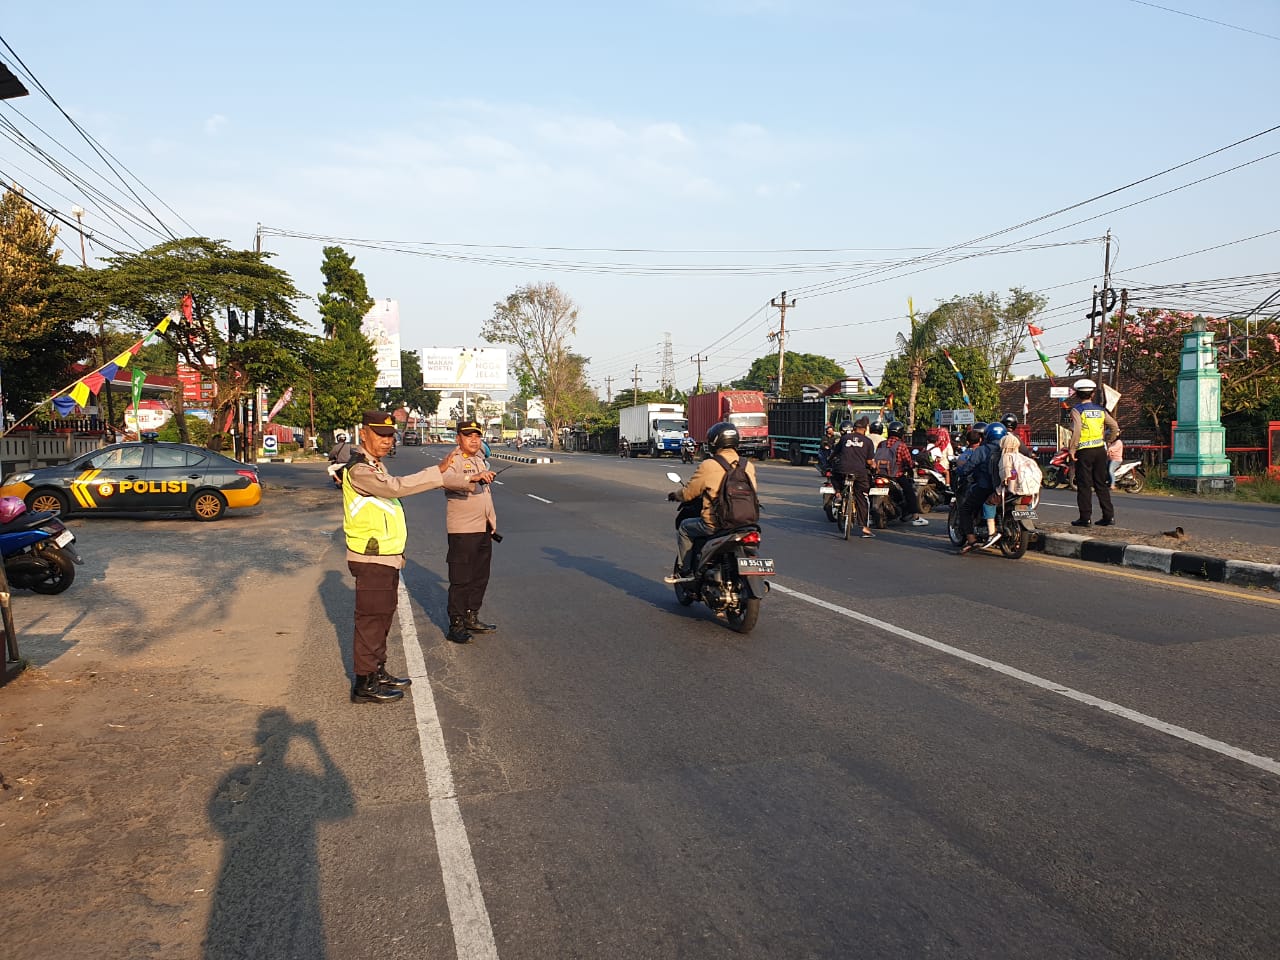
653,591
267,901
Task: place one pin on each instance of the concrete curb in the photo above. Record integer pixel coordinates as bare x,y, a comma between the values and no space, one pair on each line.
1242,573
515,459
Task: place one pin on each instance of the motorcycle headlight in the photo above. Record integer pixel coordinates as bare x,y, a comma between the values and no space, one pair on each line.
18,478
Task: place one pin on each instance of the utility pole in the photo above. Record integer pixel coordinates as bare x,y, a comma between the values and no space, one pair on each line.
635,385
608,389
698,359
1104,306
781,304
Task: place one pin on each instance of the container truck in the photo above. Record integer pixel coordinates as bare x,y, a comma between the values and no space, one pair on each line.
743,408
796,426
652,428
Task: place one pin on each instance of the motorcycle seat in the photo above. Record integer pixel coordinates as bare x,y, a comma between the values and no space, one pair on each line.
26,521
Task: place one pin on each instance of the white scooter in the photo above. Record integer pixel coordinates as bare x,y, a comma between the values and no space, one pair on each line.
1131,477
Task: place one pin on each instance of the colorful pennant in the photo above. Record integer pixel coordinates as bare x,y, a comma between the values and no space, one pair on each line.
964,393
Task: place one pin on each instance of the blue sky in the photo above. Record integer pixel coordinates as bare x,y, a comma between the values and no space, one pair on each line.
714,125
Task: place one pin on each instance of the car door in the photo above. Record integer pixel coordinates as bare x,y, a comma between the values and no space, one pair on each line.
113,480
174,472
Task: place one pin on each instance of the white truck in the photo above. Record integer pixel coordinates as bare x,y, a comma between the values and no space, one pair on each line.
652,428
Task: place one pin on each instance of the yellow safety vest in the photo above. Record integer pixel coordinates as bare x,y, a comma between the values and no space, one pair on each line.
1093,423
374,526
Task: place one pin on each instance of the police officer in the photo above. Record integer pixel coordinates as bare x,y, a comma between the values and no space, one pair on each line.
1091,429
472,524
851,457
374,525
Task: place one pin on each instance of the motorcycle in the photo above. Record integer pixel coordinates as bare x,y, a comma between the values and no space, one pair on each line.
830,498
887,502
1131,476
39,552
727,570
1015,522
1061,471
687,448
931,483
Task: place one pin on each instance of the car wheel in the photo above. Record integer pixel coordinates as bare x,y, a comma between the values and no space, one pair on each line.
208,505
40,501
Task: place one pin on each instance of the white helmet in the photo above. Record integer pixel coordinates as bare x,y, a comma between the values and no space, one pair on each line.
1084,386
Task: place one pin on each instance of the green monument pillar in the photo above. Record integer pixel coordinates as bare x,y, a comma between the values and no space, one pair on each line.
1199,460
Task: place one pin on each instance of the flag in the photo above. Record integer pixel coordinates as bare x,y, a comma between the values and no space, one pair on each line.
285,398
64,405
80,394
870,385
138,377
964,393
187,304
1026,404
1036,334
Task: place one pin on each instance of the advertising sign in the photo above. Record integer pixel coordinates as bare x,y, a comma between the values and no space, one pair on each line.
151,415
460,368
1059,393
381,325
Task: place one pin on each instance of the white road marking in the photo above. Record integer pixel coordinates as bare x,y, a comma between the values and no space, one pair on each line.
1182,733
539,499
472,932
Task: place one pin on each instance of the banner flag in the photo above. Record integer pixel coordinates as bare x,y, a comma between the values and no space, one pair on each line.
64,405
93,383
964,392
187,304
865,376
1036,333
80,394
139,375
285,398
126,358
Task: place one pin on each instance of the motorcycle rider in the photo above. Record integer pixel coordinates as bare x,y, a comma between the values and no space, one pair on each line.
1091,428
904,471
686,448
852,456
824,449
722,440
980,467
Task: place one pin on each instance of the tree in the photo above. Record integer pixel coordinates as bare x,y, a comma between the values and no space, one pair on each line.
38,338
538,320
916,350
143,288
803,369
992,325
1150,358
939,388
345,300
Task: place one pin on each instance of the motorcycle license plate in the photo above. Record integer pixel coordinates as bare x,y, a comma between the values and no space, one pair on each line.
1025,515
755,567
879,491
826,490
62,539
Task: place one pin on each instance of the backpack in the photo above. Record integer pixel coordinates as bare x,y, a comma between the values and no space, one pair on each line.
1024,475
886,461
736,504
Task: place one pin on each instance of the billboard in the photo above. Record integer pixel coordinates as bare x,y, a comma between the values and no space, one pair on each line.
381,326
461,368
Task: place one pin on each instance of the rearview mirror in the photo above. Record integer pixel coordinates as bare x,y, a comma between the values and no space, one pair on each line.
674,477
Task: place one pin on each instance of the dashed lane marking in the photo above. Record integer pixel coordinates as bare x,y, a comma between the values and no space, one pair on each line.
539,499
472,931
1182,733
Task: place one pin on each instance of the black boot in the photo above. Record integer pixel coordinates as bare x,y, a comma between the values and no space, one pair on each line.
387,680
458,631
368,690
476,625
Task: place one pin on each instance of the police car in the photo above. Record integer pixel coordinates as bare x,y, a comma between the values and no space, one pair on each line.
145,476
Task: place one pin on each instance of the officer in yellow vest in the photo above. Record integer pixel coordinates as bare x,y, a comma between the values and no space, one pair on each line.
374,525
1091,429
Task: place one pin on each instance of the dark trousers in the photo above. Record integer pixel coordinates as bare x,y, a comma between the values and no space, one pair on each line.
909,496
469,557
1093,476
861,498
969,506
377,586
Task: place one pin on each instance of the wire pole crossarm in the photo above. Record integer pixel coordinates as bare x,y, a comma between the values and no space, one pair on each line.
780,304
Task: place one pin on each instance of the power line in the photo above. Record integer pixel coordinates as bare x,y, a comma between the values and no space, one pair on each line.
1193,16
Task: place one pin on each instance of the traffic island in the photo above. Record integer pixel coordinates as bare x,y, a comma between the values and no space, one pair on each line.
1241,573
516,458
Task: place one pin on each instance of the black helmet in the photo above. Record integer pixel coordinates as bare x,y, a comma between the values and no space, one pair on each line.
897,429
1010,421
846,426
721,435
878,428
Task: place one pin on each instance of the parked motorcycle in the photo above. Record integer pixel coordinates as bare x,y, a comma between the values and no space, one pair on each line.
728,575
1015,522
39,552
1131,476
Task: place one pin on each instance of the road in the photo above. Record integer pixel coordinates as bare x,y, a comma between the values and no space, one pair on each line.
913,754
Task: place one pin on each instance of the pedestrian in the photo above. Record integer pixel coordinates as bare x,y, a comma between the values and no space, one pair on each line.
1091,428
851,458
374,525
472,525
1115,457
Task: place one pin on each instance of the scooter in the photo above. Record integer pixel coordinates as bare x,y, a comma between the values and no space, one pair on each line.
39,552
887,502
1061,471
687,448
1015,522
1131,477
931,484
728,574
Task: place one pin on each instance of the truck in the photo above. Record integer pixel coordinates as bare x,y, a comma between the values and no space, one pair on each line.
652,428
796,426
743,408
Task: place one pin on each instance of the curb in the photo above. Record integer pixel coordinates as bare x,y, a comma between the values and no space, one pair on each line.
1241,573
495,455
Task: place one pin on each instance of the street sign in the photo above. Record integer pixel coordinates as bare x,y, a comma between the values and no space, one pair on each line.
1059,393
270,445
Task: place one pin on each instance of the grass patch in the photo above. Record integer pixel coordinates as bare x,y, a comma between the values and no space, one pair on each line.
1253,489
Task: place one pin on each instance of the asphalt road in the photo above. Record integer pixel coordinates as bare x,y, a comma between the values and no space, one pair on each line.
914,754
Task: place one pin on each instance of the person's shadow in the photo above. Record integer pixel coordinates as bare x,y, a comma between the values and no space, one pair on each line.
267,901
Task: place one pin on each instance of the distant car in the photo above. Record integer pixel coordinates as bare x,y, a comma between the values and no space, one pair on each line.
412,440
140,476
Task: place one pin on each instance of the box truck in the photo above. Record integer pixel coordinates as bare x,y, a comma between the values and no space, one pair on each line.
652,428
743,408
796,426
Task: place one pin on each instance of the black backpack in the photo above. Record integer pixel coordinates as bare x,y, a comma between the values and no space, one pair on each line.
736,504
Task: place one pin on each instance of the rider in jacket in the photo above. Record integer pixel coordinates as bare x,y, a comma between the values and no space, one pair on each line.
981,469
722,440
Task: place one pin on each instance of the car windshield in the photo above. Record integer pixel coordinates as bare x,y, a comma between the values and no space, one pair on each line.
116,458
748,419
677,425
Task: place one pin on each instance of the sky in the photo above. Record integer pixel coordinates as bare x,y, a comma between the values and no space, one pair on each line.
674,166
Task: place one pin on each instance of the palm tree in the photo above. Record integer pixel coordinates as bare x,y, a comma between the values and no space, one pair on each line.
916,350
